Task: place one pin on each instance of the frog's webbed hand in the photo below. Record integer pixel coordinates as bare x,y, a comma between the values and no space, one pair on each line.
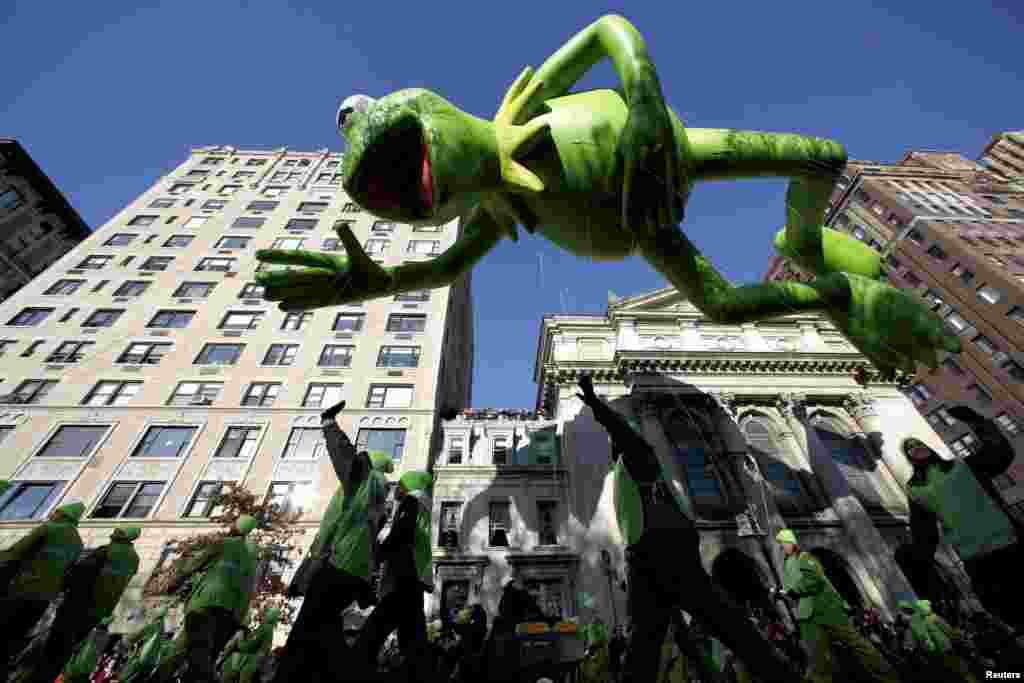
329,280
647,149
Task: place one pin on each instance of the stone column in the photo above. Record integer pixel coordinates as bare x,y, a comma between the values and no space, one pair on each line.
648,411
749,473
866,539
861,407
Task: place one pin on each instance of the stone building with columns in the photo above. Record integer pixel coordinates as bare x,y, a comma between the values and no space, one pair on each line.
761,425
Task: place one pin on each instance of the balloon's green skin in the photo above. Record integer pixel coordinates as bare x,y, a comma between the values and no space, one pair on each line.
604,174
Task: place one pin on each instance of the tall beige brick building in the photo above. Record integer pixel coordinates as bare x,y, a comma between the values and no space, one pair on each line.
143,370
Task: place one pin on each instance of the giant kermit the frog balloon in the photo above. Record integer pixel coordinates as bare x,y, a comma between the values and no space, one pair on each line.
604,174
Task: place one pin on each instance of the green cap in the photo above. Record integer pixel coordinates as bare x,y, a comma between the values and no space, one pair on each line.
924,606
246,523
382,462
786,536
126,533
416,480
73,511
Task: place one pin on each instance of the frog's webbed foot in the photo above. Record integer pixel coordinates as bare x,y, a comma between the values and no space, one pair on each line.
513,138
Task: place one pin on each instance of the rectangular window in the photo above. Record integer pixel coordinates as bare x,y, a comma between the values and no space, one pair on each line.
248,222
964,446
132,288
100,285
11,199
398,357
990,295
32,347
985,344
194,290
228,190
423,247
129,500
156,263
547,512
204,503
415,296
219,354
386,440
171,319
383,227
336,356
145,220
399,322
274,190
73,441
164,442
303,224
195,393
29,317
214,204
112,393
104,317
261,394
287,243
919,393
29,500
233,242
1009,424
500,447
320,395
456,450
389,396
196,222
329,178
281,354
238,442
69,352
120,239
241,320
296,321
180,188
285,177
290,497
94,262
350,207
936,252
145,353
252,291
261,205
349,322
331,244
198,174
449,524
255,162
498,523
178,241
242,175
304,443
981,394
216,264
375,246
958,324
313,207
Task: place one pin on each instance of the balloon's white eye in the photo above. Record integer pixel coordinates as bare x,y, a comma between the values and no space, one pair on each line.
352,104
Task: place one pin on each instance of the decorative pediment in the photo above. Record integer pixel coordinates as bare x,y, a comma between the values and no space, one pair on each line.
665,300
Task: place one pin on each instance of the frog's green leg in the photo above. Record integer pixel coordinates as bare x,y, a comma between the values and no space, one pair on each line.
813,165
612,37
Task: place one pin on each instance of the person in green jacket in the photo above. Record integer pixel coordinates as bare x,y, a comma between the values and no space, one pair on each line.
407,575
95,585
144,660
934,639
82,664
961,495
822,616
218,605
348,539
245,654
41,559
653,516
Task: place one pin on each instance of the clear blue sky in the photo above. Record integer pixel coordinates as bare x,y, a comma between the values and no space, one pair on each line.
106,100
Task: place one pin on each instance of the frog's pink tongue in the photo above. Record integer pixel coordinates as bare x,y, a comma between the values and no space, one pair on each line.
426,181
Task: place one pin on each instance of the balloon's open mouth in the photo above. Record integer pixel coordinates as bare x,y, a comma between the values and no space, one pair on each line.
393,178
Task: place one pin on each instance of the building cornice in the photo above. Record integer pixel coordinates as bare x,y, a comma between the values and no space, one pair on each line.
21,163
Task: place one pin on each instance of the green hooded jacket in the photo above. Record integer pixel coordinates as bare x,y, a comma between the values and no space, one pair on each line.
247,651
117,563
410,529
83,663
355,521
820,603
926,627
147,655
228,580
45,554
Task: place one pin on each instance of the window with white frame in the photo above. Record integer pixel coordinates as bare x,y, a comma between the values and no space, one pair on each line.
194,290
448,529
500,449
390,441
498,524
165,441
287,243
129,500
145,353
376,246
64,287
205,502
248,223
241,320
238,442
261,394
301,224
112,393
214,204
919,393
336,356
281,354
389,396
219,354
228,190
990,294
964,446
323,395
304,443
456,449
195,393
30,391
29,317
29,499
252,290
196,222
291,497
313,207
349,322
170,319
424,247
415,296
132,288
402,322
216,264
296,321
261,205
274,191
156,263
547,519
73,441
398,357
180,188
767,449
233,242
1008,423
120,239
95,262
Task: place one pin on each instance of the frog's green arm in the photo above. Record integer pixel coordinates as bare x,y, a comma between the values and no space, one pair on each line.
481,232
612,37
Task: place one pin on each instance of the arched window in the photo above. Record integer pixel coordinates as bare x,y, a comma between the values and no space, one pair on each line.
693,441
786,489
853,461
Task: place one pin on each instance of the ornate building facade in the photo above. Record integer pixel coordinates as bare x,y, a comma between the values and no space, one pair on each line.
761,425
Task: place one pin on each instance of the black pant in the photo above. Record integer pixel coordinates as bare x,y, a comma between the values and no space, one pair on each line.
71,625
996,580
205,634
665,575
17,617
401,609
316,648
